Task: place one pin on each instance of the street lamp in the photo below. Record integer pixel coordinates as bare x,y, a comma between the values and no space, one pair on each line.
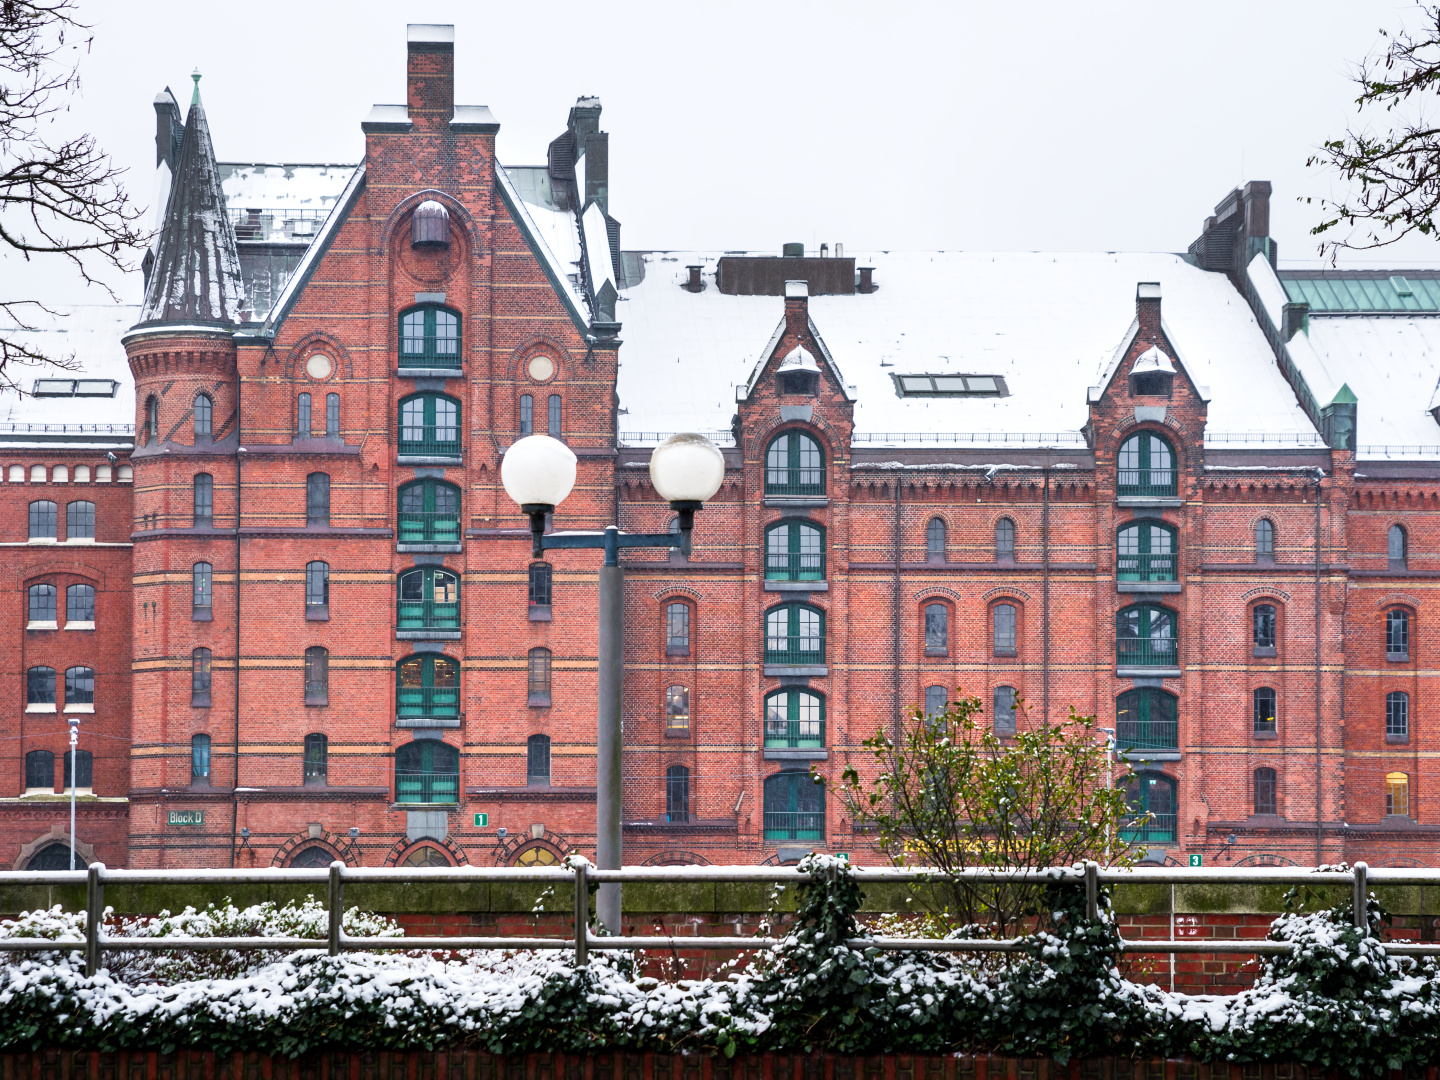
74,722
538,473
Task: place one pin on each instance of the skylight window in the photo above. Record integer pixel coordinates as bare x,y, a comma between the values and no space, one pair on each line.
75,388
950,386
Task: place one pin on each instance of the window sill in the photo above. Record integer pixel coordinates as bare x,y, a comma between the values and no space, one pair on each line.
1126,672
539,613
1005,654
1397,740
1148,587
430,372
42,540
1265,651
32,792
80,792
40,708
677,652
797,500
797,669
427,635
677,733
441,549
316,703
785,754
79,625
200,702
317,612
1149,500
1398,657
200,615
80,540
38,624
942,652
427,459
538,701
1152,755
80,707
411,722
797,586
1265,734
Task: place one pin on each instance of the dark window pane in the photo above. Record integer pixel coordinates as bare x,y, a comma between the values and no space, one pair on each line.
1397,634
79,686
537,761
1264,626
40,686
1397,545
204,500
553,429
1005,539
677,629
539,592
42,603
83,768
80,604
935,539
794,807
1264,711
317,584
200,677
935,700
1264,791
539,677
1264,537
1146,719
332,416
527,415
202,415
317,750
317,499
677,794
937,626
317,676
1397,715
43,520
40,770
302,416
80,521
677,709
1004,710
200,759
1005,629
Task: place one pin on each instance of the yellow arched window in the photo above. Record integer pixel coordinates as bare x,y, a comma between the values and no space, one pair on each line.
1397,794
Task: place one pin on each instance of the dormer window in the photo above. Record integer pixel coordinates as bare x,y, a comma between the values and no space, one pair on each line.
1152,374
951,386
430,226
799,382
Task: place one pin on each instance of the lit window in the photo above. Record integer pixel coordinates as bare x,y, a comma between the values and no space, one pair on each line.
1264,698
1397,794
951,386
677,709
427,686
427,771
429,599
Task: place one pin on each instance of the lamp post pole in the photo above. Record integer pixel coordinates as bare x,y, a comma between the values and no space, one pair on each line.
74,722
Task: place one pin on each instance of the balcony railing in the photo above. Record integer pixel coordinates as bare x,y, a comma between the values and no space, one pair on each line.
1146,652
429,528
795,566
427,787
805,480
1142,566
427,615
795,734
795,649
430,440
794,825
1146,481
1147,735
1148,829
428,701
431,351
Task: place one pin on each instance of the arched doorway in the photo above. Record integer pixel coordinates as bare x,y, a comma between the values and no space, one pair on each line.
313,857
55,857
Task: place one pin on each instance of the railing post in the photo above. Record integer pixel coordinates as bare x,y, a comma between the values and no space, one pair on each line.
94,915
1092,889
337,905
1359,900
582,914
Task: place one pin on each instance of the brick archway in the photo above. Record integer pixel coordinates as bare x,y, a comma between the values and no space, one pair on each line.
404,846
342,847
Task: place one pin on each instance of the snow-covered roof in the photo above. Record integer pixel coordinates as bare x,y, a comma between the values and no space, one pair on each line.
258,186
90,333
1048,322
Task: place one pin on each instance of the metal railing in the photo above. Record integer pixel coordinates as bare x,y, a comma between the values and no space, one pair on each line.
427,701
19,428
1147,735
795,734
799,650
413,787
1146,652
95,942
1145,482
436,351
430,440
427,615
429,527
794,824
808,480
985,438
795,566
1145,566
1149,828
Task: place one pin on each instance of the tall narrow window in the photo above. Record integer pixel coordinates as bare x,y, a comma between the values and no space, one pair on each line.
427,771
1399,548
80,520
1397,634
677,794
794,551
794,720
204,500
1397,716
203,409
317,676
794,807
79,686
1006,634
427,686
677,630
200,759
80,606
1146,466
1265,723
538,677
1146,719
42,607
537,761
317,760
794,466
553,416
430,426
317,590
39,771
40,689
43,520
677,710
527,415
1264,629
303,419
538,590
1397,794
332,416
202,584
152,419
1264,540
795,635
937,630
1265,802
79,773
935,540
1004,540
1004,710
935,700
200,677
1145,552
317,499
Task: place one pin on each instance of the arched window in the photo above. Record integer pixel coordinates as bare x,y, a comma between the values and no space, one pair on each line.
537,761
1264,699
1265,801
794,719
313,857
332,416
677,629
56,857
429,513
152,419
80,607
1397,716
1145,637
42,607
40,689
82,474
1146,719
937,630
527,414
677,794
204,500
39,771
1397,634
1263,624
124,474
81,768
427,771
80,520
103,474
429,599
60,474
1399,547
794,807
795,635
1004,540
79,686
17,474
1003,709
935,540
936,698
1151,809
677,710
1397,795
794,466
1145,551
553,416
427,686
538,677
317,590
200,677
303,419
430,427
202,586
203,409
1146,466
1006,630
317,760
430,337
317,499
43,520
37,474
200,759
538,590
1264,540
317,676
795,551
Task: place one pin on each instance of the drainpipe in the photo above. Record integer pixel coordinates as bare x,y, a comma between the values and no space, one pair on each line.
1319,754
1045,601
239,457
895,623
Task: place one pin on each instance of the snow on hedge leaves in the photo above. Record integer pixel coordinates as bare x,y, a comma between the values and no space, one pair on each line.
1340,1000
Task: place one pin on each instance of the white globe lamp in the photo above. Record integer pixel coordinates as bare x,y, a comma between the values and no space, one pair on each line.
538,473
687,470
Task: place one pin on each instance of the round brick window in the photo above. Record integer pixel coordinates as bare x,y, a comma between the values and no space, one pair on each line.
319,366
541,368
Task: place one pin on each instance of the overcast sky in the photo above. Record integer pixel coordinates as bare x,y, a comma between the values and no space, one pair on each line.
1103,125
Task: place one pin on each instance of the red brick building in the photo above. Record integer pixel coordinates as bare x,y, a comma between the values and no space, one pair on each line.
269,564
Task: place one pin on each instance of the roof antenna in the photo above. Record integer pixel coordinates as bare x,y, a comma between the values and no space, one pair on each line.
195,97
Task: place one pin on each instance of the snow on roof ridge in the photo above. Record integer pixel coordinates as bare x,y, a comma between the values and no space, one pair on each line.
341,210
559,277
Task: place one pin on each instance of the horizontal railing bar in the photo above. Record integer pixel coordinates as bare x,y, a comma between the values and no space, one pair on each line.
619,943
455,943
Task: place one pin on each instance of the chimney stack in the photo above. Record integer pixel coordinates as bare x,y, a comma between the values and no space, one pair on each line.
867,280
694,284
797,307
1147,310
430,72
169,129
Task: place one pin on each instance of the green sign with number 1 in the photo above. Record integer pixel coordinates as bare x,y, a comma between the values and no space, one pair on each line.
482,820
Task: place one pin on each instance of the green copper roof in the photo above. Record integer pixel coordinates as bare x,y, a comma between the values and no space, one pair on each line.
1362,291
195,97
1344,396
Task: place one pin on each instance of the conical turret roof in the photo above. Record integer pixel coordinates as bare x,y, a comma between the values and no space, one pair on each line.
196,276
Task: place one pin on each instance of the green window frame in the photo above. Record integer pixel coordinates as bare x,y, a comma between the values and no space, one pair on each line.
429,513
1146,551
794,807
427,598
1146,466
795,550
429,336
1147,719
427,771
1152,809
795,720
1146,635
430,426
427,686
794,465
795,634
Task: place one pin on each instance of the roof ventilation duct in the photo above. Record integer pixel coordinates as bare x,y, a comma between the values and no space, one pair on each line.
430,226
793,251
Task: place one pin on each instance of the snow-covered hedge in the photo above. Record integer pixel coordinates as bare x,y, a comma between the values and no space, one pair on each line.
1339,1001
